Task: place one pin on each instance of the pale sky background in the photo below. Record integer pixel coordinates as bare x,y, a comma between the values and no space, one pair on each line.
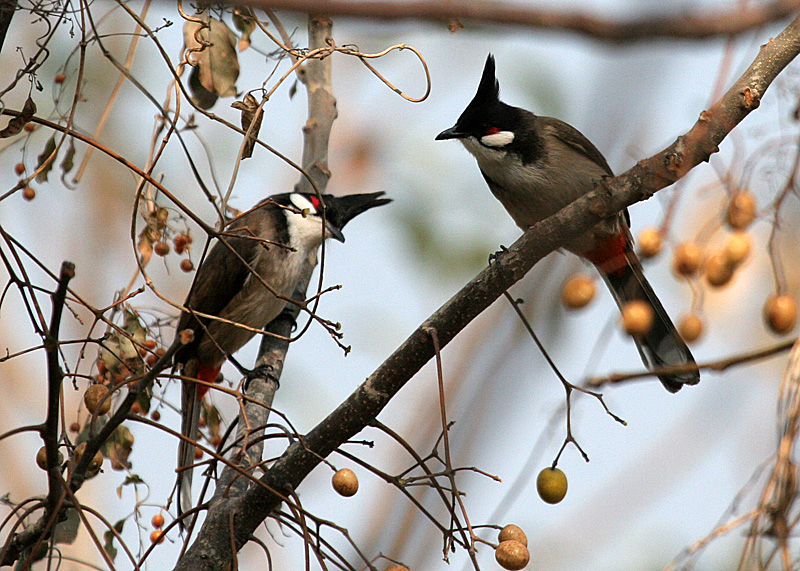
651,488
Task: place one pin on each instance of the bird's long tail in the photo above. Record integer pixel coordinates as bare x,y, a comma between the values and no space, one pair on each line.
191,405
662,345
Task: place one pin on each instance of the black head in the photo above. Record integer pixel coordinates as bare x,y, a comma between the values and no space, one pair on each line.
486,118
338,210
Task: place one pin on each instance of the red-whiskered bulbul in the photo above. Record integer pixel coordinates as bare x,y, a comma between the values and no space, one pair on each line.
275,239
537,165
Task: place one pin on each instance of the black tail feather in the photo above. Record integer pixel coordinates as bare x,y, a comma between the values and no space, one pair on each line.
661,346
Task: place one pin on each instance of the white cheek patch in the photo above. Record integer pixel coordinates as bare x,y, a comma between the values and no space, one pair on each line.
499,139
302,203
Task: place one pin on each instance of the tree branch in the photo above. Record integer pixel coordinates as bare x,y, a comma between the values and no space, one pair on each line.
737,20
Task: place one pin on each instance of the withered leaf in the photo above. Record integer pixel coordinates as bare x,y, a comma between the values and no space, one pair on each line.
217,64
17,123
249,106
49,149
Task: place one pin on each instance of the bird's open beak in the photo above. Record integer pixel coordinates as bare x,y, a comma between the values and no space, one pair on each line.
451,133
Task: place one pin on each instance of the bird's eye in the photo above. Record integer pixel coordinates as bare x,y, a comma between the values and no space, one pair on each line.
492,131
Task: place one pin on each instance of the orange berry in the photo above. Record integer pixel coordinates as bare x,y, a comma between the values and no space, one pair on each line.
737,248
29,127
180,242
690,327
60,78
155,415
157,536
637,317
686,259
741,210
577,291
198,453
780,313
161,248
75,427
649,242
187,265
28,193
717,270
345,482
158,521
136,408
19,168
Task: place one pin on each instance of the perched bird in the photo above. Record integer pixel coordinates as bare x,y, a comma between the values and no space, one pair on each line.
537,165
268,245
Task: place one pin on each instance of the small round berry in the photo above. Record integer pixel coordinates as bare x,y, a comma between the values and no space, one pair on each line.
158,521
41,458
741,210
738,247
150,344
19,168
717,270
60,78
95,399
514,532
690,327
29,127
511,554
345,482
155,415
161,248
187,265
180,242
780,313
649,243
637,317
136,408
75,427
397,568
198,453
157,536
28,193
577,291
151,360
551,483
686,259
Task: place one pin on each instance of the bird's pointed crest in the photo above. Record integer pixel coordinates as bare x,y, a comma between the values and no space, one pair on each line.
489,88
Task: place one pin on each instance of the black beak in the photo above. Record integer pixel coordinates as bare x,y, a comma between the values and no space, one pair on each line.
339,210
451,133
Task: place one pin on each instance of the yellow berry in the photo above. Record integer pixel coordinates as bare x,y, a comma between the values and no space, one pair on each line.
741,210
511,554
737,248
687,258
514,532
637,317
717,270
551,483
345,482
780,313
649,242
95,399
577,291
690,327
